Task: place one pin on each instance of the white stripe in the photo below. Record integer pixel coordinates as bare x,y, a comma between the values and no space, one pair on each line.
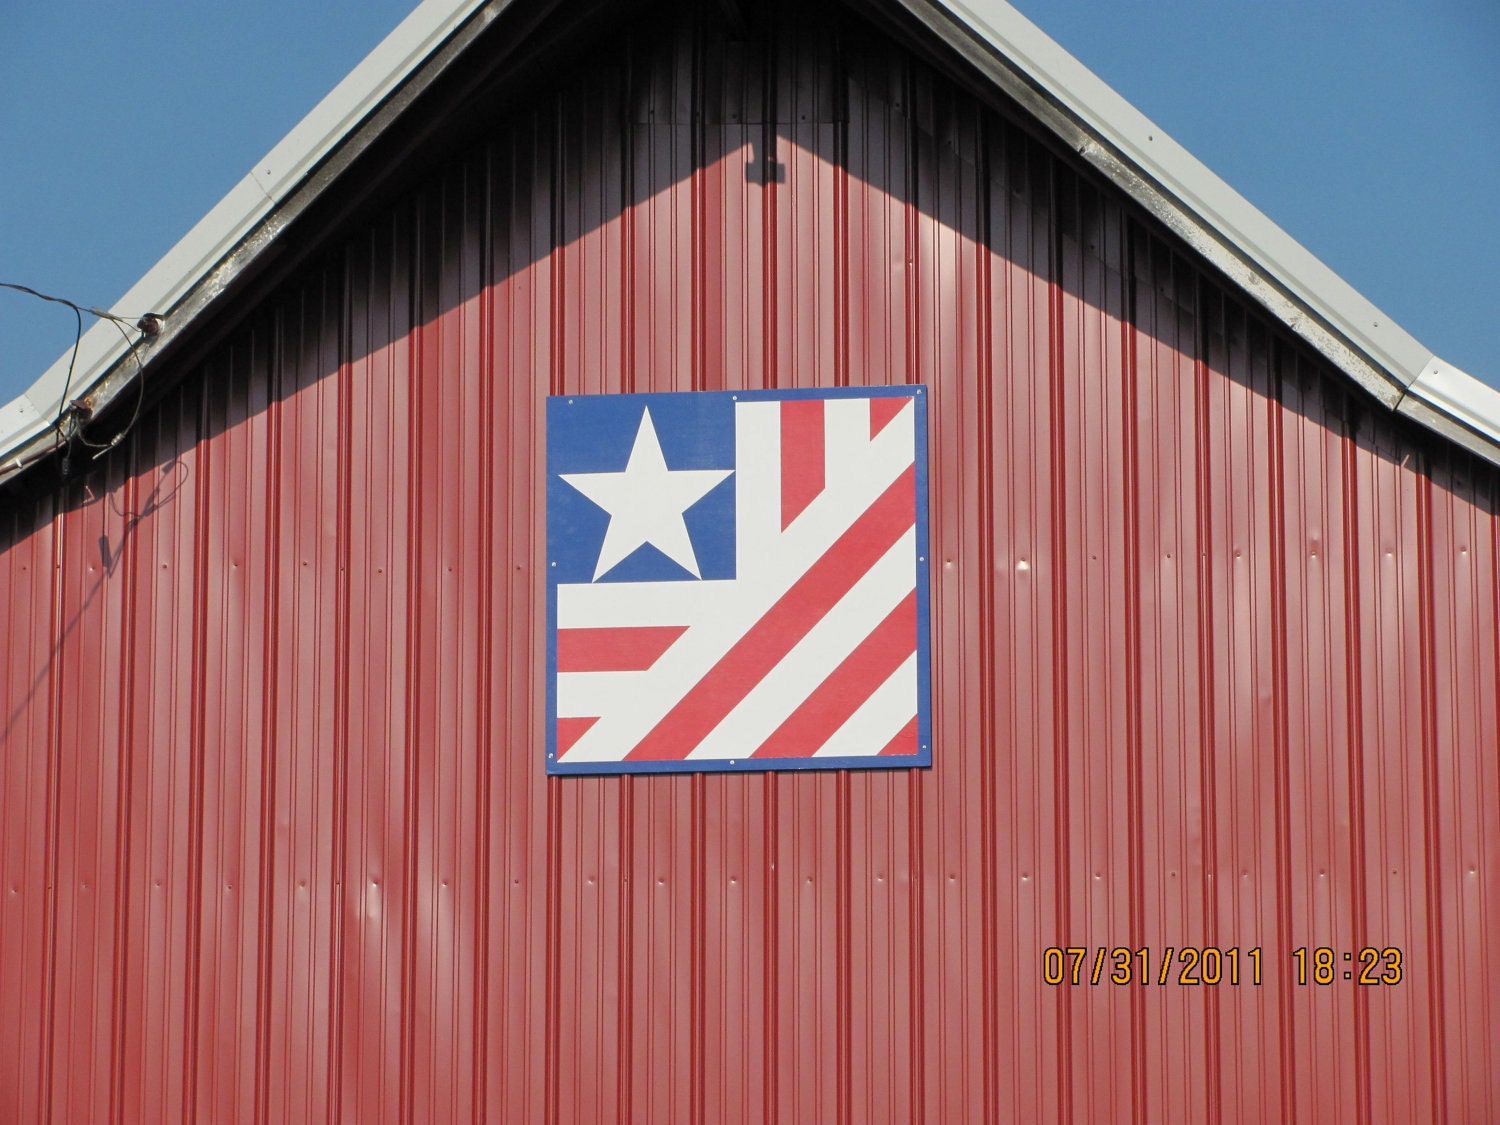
817,654
619,605
852,488
757,482
583,695
879,719
846,437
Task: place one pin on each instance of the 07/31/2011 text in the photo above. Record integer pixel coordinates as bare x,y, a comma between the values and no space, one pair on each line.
1191,965
1205,965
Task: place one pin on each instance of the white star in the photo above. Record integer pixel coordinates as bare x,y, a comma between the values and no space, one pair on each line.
646,502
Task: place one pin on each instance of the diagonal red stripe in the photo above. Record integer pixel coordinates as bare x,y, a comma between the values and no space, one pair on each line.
883,409
847,687
769,640
614,650
569,731
905,741
801,456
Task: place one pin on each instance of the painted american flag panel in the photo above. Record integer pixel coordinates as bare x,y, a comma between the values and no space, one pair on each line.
737,581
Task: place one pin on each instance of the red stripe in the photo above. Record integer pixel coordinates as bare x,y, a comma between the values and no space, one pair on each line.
848,686
614,650
569,731
784,624
801,456
882,410
905,741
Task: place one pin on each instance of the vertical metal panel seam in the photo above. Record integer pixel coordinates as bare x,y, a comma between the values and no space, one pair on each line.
697,378
769,298
915,841
1493,522
1494,528
697,217
624,1038
1354,718
275,363
552,1029
988,726
843,851
697,927
843,894
1061,750
1202,462
556,263
484,673
48,1030
627,225
1281,763
197,749
1493,519
126,562
412,669
11,539
514,438
1134,797
841,237
344,897
769,928
1431,842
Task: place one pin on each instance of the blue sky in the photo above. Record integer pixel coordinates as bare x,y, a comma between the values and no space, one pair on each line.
1370,131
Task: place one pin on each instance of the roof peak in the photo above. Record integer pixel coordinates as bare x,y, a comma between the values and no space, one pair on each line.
989,36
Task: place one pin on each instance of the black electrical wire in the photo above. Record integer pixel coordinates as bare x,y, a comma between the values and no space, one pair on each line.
140,397
77,308
62,403
120,323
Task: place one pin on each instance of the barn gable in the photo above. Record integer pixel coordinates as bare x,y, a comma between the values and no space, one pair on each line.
1215,642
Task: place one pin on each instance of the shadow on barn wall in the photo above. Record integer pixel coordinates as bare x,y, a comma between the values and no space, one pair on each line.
820,196
676,99
689,147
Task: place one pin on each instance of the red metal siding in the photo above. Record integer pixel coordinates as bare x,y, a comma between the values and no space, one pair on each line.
1216,662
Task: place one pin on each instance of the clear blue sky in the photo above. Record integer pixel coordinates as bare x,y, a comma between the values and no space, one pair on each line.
1370,131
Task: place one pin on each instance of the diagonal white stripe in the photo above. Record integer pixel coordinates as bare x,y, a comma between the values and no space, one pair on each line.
879,719
825,646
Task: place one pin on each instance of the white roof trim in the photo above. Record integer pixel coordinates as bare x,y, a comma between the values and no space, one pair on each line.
1066,96
219,233
1265,261
1453,395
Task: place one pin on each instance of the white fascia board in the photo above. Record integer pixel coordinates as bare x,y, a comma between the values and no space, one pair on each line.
1456,404
226,227
1271,266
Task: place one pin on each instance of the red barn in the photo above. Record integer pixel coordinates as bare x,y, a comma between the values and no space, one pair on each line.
1212,826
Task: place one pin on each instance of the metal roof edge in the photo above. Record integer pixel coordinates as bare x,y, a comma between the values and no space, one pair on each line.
225,240
1252,251
1068,98
1455,404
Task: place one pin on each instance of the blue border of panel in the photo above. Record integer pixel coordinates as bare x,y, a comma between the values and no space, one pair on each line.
920,760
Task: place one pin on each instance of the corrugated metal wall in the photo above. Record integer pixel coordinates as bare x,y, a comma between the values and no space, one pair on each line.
1215,660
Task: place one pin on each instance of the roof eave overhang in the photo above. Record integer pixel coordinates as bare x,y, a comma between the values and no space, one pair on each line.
241,230
988,36
1251,251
